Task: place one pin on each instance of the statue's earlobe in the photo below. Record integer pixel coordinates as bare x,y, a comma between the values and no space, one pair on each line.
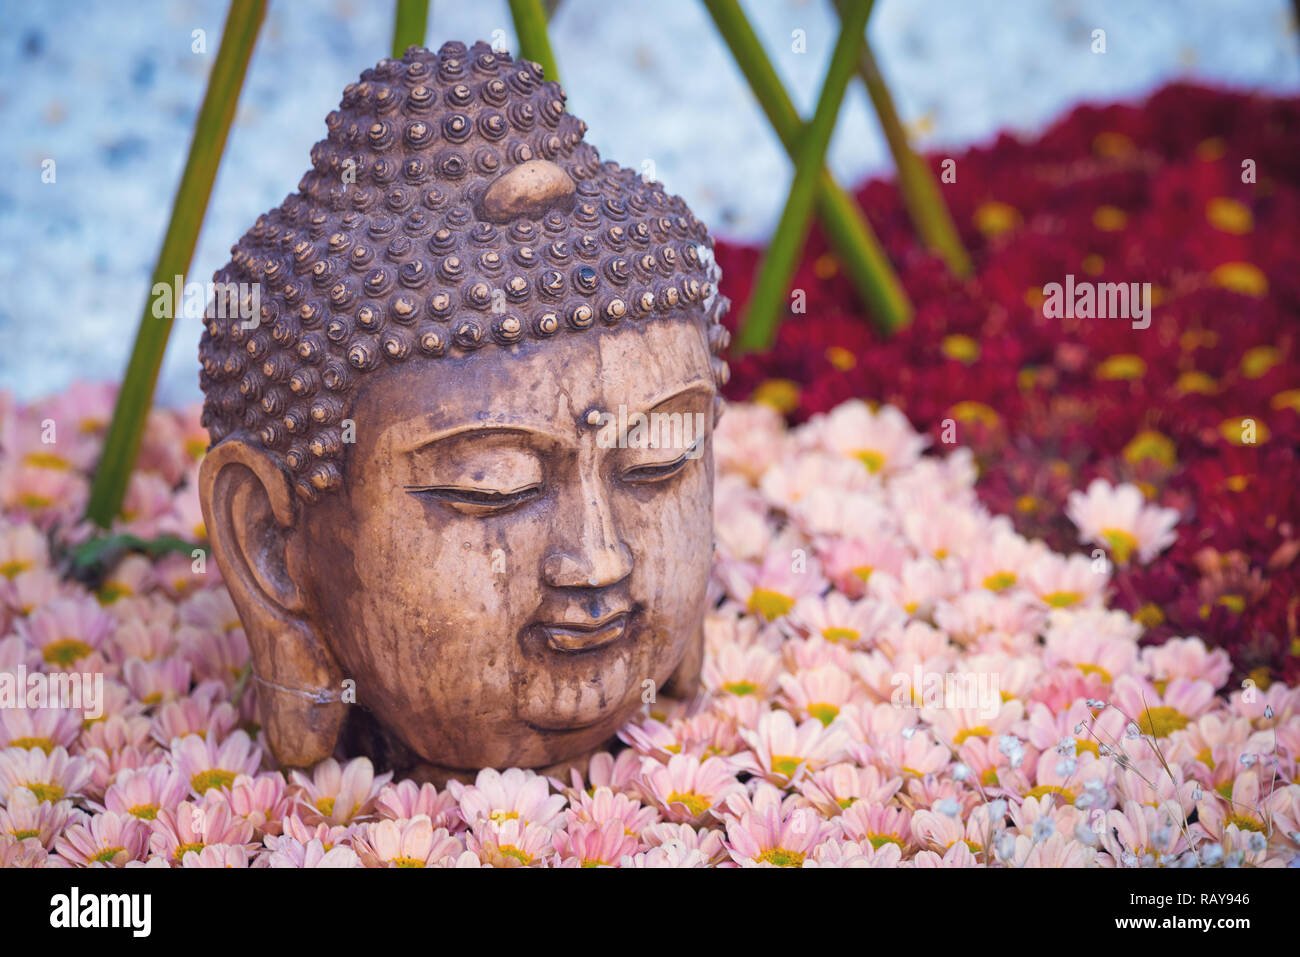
256,528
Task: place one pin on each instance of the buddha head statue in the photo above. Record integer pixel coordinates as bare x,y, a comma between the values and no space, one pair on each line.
460,480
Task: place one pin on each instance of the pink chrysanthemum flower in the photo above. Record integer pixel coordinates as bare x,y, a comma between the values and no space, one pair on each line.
787,481
1137,835
708,841
510,842
143,792
51,777
850,562
748,439
219,656
603,805
339,794
192,827
294,828
406,799
22,549
1066,581
877,824
292,853
516,793
741,671
840,620
25,853
839,786
26,816
107,839
820,692
773,837
68,632
919,586
592,844
405,843
208,764
882,440
688,789
154,682
1161,713
1119,519
45,728
1187,658
772,588
263,801
837,853
217,856
200,712
781,751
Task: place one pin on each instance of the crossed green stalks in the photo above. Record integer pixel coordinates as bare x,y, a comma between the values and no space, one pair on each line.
812,188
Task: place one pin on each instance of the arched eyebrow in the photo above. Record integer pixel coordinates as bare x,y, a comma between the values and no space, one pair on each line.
484,429
697,387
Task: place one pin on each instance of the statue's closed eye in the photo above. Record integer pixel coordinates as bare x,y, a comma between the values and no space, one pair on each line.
476,501
642,474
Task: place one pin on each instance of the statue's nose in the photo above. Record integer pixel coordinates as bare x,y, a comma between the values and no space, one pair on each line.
587,550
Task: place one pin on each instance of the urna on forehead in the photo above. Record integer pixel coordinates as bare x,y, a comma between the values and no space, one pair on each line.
453,205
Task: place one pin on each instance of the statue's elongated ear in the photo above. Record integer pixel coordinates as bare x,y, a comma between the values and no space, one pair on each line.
258,538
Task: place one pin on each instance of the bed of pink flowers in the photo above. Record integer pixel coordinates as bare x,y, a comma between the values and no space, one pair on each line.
893,677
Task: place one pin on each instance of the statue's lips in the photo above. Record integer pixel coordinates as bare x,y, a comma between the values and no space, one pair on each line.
572,636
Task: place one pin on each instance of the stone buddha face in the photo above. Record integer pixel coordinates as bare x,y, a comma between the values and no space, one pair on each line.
461,481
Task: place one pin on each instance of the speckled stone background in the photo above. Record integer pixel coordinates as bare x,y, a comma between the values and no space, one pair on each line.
109,90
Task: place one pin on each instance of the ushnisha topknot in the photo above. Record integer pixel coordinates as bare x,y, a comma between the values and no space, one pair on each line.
452,205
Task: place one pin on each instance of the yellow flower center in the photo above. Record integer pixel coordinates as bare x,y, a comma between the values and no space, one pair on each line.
1121,543
1043,790
1256,362
781,857
46,460
1244,278
1000,581
1229,215
183,849
695,803
823,712
1125,366
1150,444
990,778
407,862
1196,382
785,764
770,604
499,815
65,651
873,460
1162,721
14,568
110,592
836,634
107,854
1244,822
980,731
993,218
145,812
1109,219
214,778
740,687
45,791
1089,669
45,744
1150,615
509,850
962,348
1086,744
23,835
325,805
880,840
1062,599
864,572
781,394
841,358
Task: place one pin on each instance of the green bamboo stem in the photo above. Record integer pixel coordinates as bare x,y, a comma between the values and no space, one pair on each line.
921,195
122,444
848,231
410,25
530,28
767,300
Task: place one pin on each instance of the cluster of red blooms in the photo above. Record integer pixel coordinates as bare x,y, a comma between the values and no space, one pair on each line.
1196,192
